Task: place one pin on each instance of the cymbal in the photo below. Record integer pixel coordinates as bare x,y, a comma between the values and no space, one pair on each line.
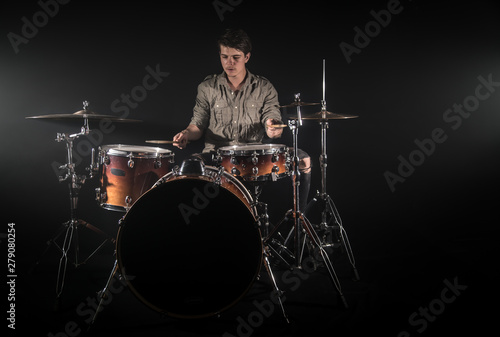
295,104
84,114
326,115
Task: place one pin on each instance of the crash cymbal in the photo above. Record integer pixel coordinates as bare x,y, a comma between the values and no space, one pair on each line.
326,115
84,114
295,104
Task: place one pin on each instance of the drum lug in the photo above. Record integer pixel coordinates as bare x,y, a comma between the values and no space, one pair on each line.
128,202
275,157
234,161
220,172
255,159
235,171
101,197
176,170
274,172
130,163
157,163
218,159
255,170
106,160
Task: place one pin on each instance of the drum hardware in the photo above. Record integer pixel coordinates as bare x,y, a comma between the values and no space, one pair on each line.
75,182
303,232
337,229
200,287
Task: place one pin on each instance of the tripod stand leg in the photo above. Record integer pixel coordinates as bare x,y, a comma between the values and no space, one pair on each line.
317,242
275,285
49,243
102,293
343,236
63,261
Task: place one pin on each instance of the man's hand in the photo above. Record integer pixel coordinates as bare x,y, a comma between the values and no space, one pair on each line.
191,133
181,139
271,131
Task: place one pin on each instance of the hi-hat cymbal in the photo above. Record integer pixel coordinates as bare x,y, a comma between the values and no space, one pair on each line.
295,104
326,115
84,114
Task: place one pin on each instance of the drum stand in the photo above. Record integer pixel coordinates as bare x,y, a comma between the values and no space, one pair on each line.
300,224
330,208
70,227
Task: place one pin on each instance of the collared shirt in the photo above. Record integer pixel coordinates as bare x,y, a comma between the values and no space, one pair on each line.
232,118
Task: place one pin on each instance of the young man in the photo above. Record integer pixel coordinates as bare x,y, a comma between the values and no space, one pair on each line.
237,107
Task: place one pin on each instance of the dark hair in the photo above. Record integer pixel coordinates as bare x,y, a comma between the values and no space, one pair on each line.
235,38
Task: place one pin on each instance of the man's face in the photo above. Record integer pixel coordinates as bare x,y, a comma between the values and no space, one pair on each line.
233,61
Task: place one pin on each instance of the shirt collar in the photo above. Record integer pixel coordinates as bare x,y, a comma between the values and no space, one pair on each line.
248,79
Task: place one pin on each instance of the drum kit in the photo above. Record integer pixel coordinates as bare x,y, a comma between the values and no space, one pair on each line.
204,223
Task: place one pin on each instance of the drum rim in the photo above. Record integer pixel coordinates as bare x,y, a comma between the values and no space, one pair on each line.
249,149
119,150
251,211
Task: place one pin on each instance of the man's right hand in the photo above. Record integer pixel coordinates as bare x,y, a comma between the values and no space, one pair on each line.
181,139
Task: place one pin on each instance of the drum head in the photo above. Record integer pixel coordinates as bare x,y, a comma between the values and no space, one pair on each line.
135,151
189,248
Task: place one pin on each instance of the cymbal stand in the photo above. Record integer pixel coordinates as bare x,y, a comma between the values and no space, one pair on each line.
300,222
330,207
70,227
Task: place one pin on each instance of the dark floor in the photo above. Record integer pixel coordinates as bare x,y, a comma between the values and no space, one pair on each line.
406,264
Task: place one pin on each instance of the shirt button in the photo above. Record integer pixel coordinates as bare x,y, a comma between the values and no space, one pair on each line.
236,107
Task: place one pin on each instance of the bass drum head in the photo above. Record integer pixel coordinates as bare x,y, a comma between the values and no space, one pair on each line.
189,248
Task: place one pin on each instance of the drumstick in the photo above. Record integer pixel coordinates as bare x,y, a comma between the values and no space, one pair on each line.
162,142
277,126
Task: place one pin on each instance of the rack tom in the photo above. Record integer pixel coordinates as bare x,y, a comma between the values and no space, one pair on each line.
127,172
255,162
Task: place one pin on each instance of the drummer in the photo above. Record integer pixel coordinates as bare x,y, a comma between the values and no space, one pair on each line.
237,107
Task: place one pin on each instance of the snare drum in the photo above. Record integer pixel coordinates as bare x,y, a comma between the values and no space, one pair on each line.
255,162
127,171
189,247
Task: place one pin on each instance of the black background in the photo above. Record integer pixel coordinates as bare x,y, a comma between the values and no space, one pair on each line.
438,224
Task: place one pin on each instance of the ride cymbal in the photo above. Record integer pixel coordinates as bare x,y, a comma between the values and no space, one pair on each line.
326,115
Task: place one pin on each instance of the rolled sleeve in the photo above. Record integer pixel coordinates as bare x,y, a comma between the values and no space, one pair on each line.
271,106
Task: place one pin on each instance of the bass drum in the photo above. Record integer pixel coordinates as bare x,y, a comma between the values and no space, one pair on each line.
190,247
